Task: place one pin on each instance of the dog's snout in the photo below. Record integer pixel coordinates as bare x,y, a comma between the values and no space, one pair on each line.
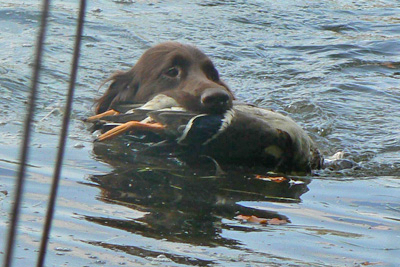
216,100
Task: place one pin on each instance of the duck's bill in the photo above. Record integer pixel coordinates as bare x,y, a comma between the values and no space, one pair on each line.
97,117
131,126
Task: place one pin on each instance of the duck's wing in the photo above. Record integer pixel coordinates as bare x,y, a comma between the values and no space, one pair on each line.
126,107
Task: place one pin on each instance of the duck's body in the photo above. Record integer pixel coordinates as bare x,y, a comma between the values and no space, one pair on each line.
244,134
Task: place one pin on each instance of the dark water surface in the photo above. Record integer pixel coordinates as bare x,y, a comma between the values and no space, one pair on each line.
333,66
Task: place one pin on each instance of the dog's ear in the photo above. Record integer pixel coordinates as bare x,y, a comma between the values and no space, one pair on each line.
123,88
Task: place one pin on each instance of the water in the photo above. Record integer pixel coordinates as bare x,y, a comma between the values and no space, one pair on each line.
333,66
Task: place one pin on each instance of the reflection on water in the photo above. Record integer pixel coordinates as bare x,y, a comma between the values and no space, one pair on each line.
185,202
333,66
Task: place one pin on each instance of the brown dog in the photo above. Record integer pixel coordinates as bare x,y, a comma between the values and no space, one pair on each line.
180,71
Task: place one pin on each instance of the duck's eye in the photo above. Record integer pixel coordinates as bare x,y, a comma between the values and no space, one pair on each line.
172,72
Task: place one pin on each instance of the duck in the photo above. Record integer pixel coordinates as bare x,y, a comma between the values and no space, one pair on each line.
244,134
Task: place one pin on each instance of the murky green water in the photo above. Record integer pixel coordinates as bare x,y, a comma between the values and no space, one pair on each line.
331,65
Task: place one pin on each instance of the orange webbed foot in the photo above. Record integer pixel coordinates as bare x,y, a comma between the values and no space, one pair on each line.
110,112
129,126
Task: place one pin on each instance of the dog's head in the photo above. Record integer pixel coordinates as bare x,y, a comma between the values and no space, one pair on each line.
180,71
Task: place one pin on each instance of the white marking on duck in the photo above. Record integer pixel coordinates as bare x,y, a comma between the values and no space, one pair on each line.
226,121
224,124
188,127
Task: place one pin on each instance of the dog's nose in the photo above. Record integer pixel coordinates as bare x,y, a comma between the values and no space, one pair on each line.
216,100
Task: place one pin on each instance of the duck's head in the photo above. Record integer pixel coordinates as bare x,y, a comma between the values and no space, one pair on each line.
193,129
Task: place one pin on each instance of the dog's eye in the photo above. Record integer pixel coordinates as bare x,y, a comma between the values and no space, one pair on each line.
211,72
172,72
214,75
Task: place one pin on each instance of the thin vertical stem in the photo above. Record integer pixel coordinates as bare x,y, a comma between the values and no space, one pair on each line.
15,210
63,136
